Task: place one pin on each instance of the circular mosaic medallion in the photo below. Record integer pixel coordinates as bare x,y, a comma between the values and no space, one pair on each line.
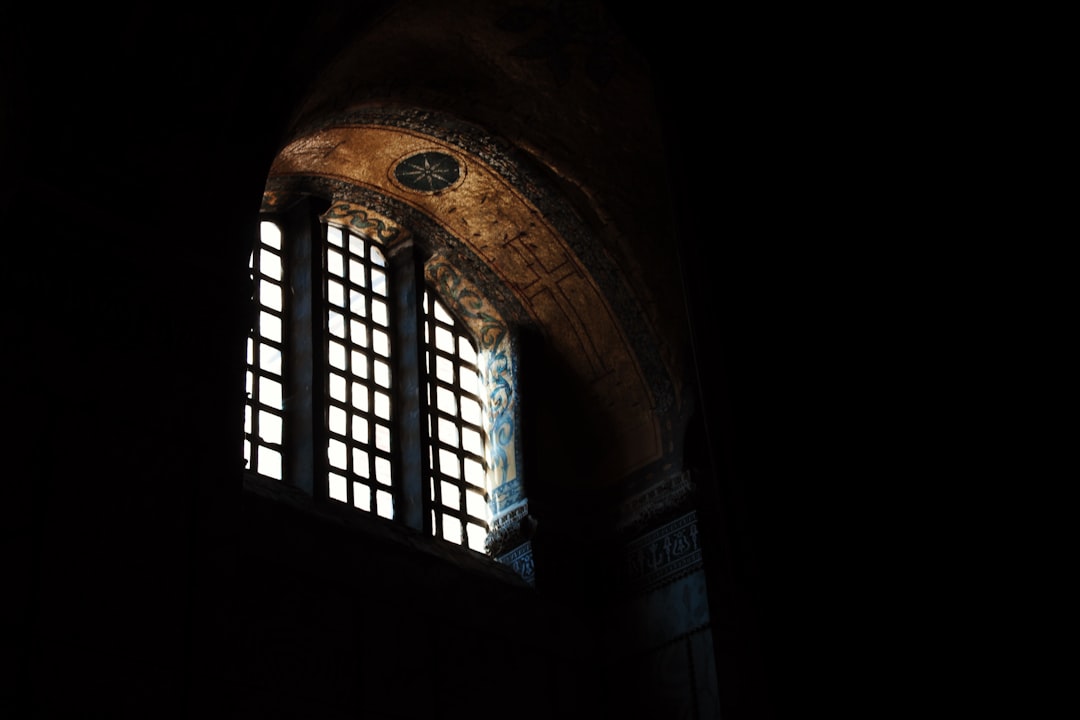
428,171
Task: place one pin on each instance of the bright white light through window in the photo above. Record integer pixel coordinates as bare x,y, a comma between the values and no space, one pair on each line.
359,373
263,413
459,508
352,348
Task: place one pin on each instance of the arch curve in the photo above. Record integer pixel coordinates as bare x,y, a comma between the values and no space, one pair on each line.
499,216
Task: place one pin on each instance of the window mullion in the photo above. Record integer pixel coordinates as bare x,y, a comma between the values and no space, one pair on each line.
409,399
303,385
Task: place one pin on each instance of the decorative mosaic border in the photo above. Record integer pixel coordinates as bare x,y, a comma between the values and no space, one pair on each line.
365,222
493,337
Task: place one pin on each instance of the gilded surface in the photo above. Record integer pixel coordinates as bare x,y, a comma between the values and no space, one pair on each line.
513,238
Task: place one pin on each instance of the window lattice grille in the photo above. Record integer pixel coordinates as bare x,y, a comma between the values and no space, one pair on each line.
358,380
354,316
263,410
456,480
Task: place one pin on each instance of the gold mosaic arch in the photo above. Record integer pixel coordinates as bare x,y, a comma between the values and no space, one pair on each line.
508,233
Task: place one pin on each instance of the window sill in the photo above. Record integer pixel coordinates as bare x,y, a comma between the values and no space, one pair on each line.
379,530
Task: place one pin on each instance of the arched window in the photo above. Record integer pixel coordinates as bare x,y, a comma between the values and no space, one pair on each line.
455,428
366,387
264,410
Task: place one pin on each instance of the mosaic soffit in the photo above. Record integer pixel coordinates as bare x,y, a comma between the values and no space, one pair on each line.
472,201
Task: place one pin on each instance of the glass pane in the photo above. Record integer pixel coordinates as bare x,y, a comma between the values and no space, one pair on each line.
382,471
356,245
359,364
378,282
451,496
475,505
338,487
358,333
384,504
337,387
445,401
334,235
444,369
270,359
470,381
270,427
335,293
360,397
270,264
448,464
382,374
470,411
250,352
471,441
452,529
270,234
440,313
362,496
466,351
269,462
444,340
474,473
336,420
335,324
361,463
335,265
382,406
270,326
270,393
335,453
247,419
269,295
448,433
358,303
336,355
381,342
356,273
377,256
382,437
477,537
360,429
379,314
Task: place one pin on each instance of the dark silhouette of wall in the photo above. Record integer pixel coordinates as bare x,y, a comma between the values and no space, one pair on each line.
141,580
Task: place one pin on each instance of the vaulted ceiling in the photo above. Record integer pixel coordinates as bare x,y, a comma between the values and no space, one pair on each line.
546,114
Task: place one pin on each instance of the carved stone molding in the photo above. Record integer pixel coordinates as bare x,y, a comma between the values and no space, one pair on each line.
521,560
664,554
510,530
664,497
